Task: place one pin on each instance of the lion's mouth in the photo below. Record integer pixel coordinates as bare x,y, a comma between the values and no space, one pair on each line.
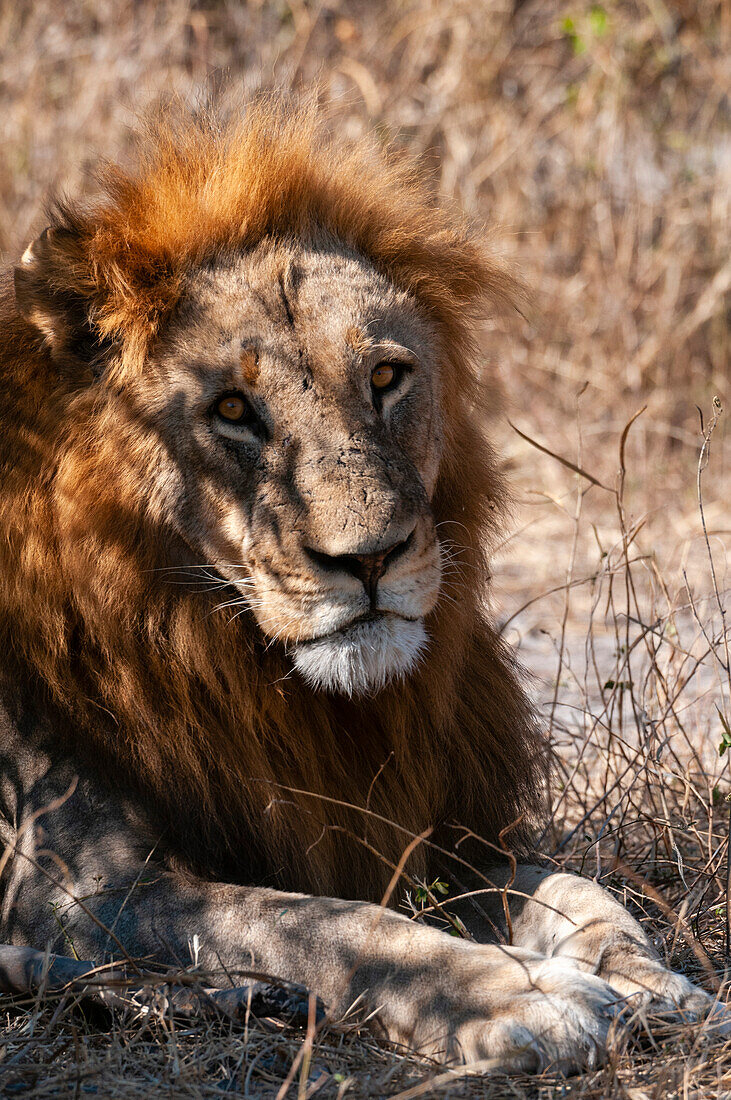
361,657
359,621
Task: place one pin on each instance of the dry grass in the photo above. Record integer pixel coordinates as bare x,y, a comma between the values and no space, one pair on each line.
597,137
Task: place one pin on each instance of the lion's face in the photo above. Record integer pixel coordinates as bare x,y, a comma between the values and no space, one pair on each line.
297,399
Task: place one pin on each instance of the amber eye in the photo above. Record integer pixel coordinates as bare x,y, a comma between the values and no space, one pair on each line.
384,375
233,408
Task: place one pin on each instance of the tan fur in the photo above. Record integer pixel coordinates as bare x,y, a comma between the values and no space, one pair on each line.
194,711
249,367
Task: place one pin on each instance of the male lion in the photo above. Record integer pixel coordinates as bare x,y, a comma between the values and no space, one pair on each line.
241,450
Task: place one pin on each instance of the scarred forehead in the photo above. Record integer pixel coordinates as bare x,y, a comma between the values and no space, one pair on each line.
289,303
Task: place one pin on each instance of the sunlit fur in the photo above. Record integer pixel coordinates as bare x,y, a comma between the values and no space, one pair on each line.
141,677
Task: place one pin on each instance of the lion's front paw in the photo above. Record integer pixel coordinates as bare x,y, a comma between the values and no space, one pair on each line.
647,984
524,1012
560,1019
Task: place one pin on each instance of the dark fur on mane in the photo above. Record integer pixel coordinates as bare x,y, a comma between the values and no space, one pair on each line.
143,679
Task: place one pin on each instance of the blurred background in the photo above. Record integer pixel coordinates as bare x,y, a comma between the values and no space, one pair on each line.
593,139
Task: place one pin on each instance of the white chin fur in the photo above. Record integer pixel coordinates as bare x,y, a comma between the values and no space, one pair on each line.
360,659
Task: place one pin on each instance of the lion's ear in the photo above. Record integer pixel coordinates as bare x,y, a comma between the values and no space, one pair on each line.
49,296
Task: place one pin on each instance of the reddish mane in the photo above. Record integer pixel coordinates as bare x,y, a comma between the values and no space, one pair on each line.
195,712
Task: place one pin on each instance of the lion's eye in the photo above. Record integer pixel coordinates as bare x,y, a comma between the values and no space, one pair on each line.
387,376
233,407
383,376
234,415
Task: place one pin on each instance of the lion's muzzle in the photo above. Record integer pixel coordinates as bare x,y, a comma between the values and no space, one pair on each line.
352,622
363,657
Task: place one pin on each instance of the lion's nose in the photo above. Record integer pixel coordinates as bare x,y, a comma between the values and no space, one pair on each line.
367,568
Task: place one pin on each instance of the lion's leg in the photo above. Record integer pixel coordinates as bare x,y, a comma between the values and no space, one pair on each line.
566,916
25,970
445,997
76,874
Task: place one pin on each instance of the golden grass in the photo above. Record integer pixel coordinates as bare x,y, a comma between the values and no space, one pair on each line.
597,138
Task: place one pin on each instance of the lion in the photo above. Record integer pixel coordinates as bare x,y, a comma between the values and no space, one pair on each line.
249,682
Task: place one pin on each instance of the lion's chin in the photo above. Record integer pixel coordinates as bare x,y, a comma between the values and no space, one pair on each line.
361,658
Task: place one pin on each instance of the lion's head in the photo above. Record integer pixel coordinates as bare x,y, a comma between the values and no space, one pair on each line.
291,418
295,399
240,446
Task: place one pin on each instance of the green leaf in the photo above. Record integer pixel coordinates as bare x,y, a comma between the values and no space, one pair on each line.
598,20
725,744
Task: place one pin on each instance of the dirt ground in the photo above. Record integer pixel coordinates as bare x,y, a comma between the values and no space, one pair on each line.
593,140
